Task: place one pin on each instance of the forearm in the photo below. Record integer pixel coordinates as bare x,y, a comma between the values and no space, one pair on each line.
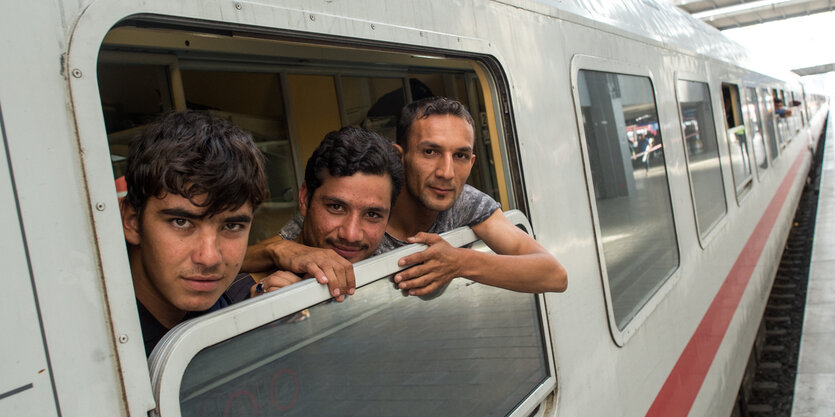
265,255
533,273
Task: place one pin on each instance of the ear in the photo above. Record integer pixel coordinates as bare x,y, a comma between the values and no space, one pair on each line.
130,223
303,199
400,151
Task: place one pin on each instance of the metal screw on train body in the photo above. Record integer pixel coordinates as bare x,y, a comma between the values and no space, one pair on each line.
100,206
76,73
239,6
312,17
123,338
373,27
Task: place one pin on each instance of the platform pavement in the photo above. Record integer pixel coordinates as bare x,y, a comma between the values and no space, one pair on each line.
814,392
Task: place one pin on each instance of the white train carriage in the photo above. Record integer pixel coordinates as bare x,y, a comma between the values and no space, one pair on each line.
640,147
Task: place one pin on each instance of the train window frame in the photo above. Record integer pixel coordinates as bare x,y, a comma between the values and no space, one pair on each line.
184,342
745,184
706,236
82,59
762,172
766,103
581,62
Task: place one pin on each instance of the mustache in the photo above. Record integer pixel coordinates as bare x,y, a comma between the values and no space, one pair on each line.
204,271
347,244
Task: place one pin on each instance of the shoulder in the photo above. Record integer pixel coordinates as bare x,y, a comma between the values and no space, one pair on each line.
293,228
471,208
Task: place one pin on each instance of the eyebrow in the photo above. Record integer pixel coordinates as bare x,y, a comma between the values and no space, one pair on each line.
434,145
241,218
334,200
178,212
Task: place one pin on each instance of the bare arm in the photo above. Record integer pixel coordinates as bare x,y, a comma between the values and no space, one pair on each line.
323,264
520,263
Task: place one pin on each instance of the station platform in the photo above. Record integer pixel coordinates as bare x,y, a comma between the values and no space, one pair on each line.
814,391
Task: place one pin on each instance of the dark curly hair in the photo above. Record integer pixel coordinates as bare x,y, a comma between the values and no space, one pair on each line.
424,108
350,150
194,154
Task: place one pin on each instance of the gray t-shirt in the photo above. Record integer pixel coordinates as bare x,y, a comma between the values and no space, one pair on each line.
471,208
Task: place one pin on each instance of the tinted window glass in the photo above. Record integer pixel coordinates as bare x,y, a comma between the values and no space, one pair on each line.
752,111
737,139
767,108
474,350
702,150
626,160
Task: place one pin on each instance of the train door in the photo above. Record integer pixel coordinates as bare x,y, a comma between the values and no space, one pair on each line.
27,387
474,348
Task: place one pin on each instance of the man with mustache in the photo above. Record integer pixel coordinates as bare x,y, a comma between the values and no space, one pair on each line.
193,182
435,140
350,183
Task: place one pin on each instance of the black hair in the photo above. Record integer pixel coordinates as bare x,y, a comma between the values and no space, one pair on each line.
424,108
194,154
349,150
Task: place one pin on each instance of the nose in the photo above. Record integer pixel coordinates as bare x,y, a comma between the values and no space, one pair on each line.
445,168
207,252
350,230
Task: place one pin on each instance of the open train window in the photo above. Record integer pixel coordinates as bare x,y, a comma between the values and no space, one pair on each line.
754,120
701,146
379,351
285,98
624,152
737,140
779,121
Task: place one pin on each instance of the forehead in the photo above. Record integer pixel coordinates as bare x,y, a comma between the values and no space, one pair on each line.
442,130
171,201
359,190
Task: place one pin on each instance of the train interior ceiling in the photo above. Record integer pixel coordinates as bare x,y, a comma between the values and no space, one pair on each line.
287,94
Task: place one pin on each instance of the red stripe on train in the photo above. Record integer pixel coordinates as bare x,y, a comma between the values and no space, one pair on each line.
679,392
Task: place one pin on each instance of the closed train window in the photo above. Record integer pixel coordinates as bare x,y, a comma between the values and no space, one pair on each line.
702,149
755,130
766,106
737,140
625,154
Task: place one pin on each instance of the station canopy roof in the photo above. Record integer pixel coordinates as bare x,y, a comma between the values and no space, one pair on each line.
728,14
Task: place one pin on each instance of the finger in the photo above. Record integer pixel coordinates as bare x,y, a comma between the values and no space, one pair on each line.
351,281
418,282
429,289
422,237
415,258
335,287
412,273
313,270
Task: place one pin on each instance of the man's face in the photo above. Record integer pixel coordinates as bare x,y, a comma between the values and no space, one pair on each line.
438,160
184,259
347,214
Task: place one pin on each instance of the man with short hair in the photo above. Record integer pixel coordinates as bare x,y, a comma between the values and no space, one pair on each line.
780,109
350,184
435,138
193,182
